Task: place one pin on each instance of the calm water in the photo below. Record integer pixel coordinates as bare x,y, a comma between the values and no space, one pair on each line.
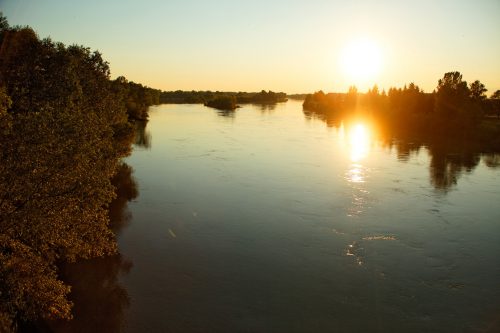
264,220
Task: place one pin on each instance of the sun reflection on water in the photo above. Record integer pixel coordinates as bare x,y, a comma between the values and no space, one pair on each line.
355,173
359,142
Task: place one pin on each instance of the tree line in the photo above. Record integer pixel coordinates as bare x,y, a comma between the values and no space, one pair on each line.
136,98
64,127
454,110
215,98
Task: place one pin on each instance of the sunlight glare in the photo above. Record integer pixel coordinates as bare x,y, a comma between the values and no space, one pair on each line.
359,141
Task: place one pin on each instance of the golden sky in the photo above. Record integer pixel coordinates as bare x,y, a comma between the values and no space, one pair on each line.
291,46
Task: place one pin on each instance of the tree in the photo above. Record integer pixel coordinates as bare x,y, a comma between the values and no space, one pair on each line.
351,98
63,130
477,91
452,104
352,90
223,103
4,24
452,82
494,104
412,87
135,97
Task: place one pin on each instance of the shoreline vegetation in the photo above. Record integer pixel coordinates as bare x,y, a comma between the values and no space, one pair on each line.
65,127
456,123
225,101
454,113
204,97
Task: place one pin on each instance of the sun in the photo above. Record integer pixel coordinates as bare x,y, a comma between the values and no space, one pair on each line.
361,60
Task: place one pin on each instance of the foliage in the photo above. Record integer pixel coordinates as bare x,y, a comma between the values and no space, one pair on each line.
64,126
493,109
195,97
458,127
135,97
187,97
4,24
452,101
222,103
299,97
477,90
30,283
262,97
452,110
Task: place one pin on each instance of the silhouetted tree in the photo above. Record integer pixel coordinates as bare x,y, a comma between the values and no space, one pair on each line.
451,94
4,24
493,104
453,106
351,99
478,90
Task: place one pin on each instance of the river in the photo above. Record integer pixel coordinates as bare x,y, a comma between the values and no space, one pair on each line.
268,220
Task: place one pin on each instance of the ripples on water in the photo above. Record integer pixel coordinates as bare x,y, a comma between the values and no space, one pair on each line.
265,220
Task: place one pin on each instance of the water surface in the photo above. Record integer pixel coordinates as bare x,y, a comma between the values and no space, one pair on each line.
267,220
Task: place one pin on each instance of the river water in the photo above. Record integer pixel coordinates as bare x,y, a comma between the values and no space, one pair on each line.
267,220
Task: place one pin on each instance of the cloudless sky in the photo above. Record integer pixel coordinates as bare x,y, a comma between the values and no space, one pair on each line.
281,45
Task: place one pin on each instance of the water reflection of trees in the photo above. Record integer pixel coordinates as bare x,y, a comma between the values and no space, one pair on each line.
99,298
142,136
492,160
226,113
126,191
266,107
449,159
447,165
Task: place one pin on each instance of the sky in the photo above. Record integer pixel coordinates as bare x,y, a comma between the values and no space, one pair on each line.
291,46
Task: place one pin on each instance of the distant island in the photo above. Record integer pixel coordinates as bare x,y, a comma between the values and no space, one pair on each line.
225,103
